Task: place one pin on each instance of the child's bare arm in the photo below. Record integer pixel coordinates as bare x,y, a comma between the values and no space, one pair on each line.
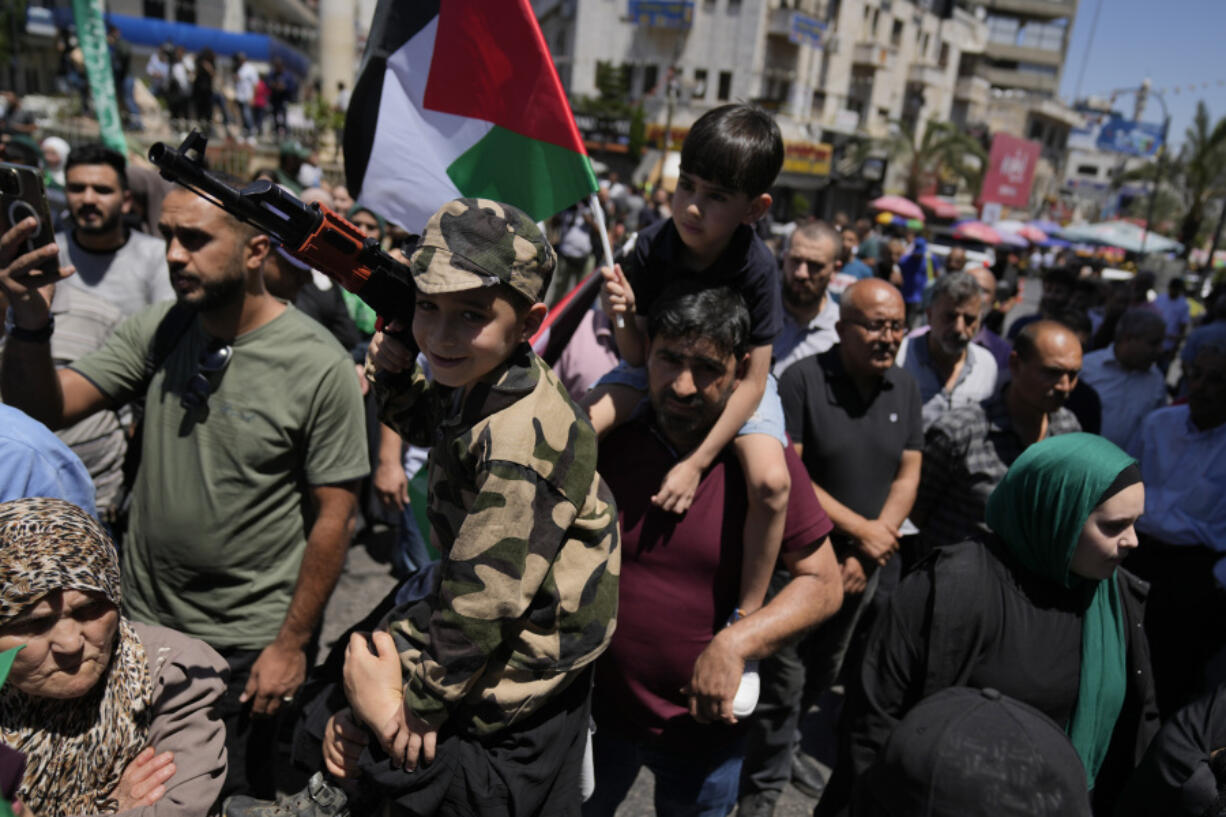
677,491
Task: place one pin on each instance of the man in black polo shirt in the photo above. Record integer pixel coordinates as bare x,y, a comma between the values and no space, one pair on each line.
855,419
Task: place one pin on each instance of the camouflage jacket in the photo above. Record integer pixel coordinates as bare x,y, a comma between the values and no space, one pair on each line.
526,590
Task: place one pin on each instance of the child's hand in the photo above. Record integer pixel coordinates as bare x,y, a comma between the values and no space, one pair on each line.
676,493
616,296
388,354
344,740
408,739
373,682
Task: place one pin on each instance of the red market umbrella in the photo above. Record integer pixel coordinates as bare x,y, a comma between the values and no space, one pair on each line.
1027,231
939,207
899,206
976,231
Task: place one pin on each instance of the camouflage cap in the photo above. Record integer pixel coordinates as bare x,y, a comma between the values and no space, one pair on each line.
471,243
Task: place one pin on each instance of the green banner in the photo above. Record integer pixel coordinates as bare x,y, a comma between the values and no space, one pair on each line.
91,32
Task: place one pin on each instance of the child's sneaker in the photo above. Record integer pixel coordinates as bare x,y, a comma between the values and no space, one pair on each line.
746,700
319,799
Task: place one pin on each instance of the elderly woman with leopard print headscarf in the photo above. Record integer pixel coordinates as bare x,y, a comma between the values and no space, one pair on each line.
112,716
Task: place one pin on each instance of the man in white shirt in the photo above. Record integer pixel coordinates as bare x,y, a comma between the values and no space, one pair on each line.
246,76
1124,375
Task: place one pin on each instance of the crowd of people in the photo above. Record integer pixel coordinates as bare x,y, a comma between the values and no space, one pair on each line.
767,463
200,89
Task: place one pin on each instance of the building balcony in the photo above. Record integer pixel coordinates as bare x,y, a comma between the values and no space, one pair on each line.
974,90
921,74
1021,53
1039,9
1006,78
874,55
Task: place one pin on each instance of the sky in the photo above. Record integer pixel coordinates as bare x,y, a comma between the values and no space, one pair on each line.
1176,43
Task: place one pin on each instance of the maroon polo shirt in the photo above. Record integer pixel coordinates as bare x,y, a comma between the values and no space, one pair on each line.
680,579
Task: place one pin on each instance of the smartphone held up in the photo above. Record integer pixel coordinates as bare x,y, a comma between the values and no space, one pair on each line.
23,196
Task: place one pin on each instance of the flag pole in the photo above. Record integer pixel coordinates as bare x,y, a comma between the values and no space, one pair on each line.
598,211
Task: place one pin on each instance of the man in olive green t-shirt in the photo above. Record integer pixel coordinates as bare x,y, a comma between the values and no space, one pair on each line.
253,442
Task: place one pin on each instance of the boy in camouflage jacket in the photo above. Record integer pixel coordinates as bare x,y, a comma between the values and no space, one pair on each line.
481,688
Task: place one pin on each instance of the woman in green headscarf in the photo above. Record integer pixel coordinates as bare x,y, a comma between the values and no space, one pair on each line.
1040,610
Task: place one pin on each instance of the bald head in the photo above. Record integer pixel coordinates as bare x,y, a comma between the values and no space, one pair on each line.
987,282
1045,363
956,262
872,320
867,295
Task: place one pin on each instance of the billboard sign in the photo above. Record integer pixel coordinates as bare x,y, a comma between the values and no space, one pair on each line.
1119,135
805,30
1011,167
663,13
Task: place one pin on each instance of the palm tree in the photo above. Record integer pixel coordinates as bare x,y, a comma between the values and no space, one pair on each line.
1197,174
944,147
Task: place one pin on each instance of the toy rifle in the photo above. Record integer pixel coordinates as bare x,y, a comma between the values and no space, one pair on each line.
311,233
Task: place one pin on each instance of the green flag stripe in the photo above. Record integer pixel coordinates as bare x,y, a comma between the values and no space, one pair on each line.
538,177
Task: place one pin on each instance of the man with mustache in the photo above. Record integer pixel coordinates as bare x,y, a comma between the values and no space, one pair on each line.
669,677
854,419
123,266
950,370
968,450
809,260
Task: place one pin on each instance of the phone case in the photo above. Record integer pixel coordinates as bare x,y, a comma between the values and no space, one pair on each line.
22,195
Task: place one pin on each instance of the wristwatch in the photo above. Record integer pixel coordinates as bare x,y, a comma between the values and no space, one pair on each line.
40,335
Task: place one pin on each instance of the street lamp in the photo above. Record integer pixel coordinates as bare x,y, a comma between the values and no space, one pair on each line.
1153,194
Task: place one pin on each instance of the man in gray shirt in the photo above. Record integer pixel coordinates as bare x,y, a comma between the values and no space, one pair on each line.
125,267
809,313
951,370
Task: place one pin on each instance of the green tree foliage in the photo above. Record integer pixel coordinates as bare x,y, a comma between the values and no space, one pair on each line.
1195,176
945,148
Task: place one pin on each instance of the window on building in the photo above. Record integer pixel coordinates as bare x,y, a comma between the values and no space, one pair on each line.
896,33
1088,170
924,47
651,73
185,11
1036,131
1043,36
876,20
1003,30
943,59
154,9
1035,68
725,86
700,83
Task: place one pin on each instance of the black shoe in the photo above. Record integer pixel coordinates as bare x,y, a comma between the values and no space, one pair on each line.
319,799
761,804
806,777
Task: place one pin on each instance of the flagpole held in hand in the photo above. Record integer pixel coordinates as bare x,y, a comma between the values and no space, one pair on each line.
606,248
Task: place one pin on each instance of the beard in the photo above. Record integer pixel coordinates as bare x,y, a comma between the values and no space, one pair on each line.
217,293
803,296
108,223
687,427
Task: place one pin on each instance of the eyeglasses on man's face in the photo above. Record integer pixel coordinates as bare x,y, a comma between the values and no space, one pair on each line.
213,360
881,327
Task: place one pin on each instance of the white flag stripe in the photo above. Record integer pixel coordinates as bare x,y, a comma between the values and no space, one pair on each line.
406,178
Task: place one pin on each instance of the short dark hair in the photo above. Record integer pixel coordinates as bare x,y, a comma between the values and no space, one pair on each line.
96,153
1076,320
735,146
689,310
1176,286
1060,276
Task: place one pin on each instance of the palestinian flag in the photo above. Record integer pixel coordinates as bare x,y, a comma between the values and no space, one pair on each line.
461,98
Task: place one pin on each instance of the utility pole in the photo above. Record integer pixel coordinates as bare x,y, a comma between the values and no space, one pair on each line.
1142,94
